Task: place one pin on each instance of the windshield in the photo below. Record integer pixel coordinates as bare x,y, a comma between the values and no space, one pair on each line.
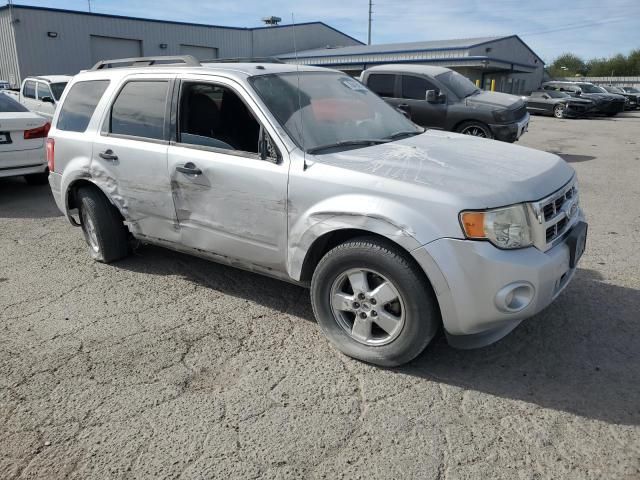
460,85
613,89
319,109
554,94
8,104
588,88
631,90
57,89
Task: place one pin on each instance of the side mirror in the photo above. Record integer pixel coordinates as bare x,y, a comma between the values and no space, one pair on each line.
435,96
404,111
266,148
546,97
47,99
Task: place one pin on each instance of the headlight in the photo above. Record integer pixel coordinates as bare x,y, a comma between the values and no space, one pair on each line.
501,115
506,227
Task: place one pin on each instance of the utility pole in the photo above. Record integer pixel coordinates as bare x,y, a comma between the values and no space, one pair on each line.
89,2
370,14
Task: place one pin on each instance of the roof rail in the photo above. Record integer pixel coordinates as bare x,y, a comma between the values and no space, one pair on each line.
185,60
244,60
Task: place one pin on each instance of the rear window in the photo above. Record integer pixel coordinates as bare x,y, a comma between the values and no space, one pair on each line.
80,104
139,110
29,89
8,104
382,84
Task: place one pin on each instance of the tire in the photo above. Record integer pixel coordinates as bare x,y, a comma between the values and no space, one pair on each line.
558,111
389,273
37,178
104,231
475,129
611,114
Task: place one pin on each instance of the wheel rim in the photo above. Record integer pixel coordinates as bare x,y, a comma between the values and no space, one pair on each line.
92,236
474,131
367,306
558,111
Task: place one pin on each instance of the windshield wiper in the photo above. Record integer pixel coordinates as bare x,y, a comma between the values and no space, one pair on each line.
348,143
404,133
475,92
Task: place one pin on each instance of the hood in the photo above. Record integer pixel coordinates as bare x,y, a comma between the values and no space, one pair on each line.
459,169
608,97
578,100
494,99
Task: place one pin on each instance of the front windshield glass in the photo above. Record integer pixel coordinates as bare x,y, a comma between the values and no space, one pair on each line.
319,109
613,89
554,94
588,88
460,85
632,90
57,89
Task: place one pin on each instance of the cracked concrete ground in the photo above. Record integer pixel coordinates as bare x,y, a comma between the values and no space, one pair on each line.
167,366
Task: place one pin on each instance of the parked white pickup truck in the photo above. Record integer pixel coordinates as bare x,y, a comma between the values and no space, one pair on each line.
41,94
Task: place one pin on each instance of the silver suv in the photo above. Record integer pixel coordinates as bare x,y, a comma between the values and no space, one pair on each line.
305,175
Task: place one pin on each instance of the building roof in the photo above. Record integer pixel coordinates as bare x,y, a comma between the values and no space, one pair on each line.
425,69
461,43
172,22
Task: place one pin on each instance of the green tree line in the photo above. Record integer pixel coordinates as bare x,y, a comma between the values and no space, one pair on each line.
570,65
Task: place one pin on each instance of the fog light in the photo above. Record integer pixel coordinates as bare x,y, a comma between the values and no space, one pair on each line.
514,297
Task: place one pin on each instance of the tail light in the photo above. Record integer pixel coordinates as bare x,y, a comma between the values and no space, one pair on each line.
39,132
51,144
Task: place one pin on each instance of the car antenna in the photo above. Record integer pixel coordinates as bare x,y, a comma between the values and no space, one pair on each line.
295,52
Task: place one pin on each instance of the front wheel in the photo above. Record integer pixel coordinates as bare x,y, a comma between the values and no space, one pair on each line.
475,129
558,111
373,302
612,114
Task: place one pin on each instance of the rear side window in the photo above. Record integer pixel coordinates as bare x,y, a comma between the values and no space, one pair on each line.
43,90
79,105
415,87
8,104
29,89
382,84
140,109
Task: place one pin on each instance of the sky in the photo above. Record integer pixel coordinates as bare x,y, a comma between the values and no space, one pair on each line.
588,28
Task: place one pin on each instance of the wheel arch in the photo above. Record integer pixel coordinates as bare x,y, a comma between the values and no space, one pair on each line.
71,197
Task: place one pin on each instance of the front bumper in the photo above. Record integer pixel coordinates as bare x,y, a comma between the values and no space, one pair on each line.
512,131
610,106
471,279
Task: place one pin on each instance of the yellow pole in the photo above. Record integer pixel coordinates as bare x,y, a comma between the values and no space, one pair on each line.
478,83
493,84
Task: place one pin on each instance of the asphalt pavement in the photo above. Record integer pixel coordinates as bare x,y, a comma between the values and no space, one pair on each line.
167,366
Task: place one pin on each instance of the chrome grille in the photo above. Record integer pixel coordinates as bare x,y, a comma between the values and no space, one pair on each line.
555,215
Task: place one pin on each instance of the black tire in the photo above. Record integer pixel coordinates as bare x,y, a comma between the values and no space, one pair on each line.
37,178
111,235
558,111
421,313
476,129
612,114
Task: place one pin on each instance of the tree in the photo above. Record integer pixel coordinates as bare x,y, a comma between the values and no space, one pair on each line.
568,65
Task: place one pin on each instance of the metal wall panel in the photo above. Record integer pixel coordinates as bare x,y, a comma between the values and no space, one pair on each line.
275,40
9,69
201,53
107,48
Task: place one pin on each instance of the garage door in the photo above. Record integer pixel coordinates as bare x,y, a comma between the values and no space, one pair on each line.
108,48
201,53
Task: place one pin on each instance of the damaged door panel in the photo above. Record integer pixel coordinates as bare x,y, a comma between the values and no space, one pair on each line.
228,199
129,160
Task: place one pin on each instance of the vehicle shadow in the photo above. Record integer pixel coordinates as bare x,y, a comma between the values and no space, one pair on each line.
20,200
571,158
581,355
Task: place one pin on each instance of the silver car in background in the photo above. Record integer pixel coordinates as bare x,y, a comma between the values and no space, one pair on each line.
305,175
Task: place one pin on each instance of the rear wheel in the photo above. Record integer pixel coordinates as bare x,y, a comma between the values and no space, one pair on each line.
612,114
373,303
475,129
558,111
37,178
102,226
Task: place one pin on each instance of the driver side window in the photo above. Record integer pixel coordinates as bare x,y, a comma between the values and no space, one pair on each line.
415,88
215,116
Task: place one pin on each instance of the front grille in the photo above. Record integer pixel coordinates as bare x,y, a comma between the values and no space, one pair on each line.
556,215
520,112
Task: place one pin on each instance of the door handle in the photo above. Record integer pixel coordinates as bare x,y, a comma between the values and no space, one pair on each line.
108,155
403,105
189,169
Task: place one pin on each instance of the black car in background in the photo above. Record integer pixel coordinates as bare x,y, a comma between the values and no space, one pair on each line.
440,98
607,103
558,104
633,98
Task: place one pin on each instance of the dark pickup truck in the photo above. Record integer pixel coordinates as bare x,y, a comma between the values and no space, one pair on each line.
437,97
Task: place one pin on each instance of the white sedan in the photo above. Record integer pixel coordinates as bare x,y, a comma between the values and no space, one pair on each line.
22,139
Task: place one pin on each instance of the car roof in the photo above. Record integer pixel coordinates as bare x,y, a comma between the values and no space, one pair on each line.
233,70
420,69
52,78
